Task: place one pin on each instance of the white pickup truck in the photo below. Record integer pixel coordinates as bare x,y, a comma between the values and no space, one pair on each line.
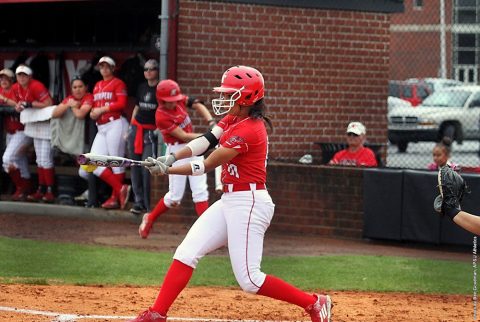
452,112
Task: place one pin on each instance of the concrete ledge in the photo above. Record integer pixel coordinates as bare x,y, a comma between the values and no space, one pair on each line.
40,209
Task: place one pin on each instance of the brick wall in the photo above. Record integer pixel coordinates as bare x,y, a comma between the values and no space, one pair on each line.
322,68
312,200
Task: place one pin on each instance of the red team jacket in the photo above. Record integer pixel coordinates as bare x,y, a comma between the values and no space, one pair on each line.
112,93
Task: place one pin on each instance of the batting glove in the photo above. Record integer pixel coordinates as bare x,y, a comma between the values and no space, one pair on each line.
156,168
168,160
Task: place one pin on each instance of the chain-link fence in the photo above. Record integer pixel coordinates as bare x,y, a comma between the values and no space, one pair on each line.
433,91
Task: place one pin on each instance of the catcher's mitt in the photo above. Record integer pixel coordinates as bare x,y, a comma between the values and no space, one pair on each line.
452,188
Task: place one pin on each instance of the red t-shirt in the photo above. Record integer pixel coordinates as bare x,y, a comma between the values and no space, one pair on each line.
168,120
86,100
35,91
364,157
249,137
112,93
11,121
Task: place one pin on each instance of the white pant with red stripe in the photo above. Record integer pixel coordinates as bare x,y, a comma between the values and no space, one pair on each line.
110,140
44,152
238,220
177,183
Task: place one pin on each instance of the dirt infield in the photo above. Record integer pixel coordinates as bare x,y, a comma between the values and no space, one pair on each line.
77,303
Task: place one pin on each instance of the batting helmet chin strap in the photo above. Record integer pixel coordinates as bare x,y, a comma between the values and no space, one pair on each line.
222,106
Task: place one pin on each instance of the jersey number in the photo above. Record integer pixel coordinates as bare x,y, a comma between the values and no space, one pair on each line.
233,170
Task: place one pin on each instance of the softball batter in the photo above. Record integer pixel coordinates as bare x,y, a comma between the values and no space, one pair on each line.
109,101
241,217
173,121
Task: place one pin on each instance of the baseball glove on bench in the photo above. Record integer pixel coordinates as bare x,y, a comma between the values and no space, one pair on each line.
452,188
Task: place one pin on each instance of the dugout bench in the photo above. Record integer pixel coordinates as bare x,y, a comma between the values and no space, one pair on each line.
398,205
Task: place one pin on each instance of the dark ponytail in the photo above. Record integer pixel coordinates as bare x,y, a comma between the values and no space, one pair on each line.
446,144
257,110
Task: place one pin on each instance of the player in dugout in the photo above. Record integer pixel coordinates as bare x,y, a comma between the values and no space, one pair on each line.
15,161
109,100
30,93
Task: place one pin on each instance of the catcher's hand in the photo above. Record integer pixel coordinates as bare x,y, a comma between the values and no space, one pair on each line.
452,188
156,168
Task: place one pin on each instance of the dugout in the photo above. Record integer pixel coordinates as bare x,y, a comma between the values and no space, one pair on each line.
60,39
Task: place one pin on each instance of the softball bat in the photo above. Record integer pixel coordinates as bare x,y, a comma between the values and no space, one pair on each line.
108,161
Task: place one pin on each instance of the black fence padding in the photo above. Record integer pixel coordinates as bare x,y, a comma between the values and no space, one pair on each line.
420,221
382,202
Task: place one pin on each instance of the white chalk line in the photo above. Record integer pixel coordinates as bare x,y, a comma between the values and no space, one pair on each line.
66,317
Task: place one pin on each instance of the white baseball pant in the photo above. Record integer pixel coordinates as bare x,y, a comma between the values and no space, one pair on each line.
177,183
44,153
14,154
110,140
238,220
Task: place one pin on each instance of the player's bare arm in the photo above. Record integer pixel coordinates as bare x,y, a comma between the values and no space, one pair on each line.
7,101
203,111
468,221
60,110
45,103
96,112
82,111
180,134
134,113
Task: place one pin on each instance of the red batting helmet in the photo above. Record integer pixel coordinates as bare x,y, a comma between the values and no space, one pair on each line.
169,91
245,86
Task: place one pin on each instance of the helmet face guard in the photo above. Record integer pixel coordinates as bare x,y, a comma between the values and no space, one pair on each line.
222,105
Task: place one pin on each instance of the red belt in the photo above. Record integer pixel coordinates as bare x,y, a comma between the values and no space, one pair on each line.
233,187
110,119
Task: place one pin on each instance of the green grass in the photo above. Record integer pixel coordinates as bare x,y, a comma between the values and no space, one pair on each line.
39,262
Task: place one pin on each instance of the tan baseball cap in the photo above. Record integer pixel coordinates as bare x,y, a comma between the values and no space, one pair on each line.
356,128
24,69
108,60
7,72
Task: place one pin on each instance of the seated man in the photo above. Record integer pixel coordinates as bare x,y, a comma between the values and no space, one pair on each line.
356,154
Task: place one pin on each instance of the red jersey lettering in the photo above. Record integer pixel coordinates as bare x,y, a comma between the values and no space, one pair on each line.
168,120
244,135
111,93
